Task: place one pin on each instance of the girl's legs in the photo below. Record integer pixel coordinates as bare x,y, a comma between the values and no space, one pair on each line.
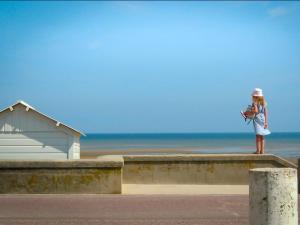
258,145
262,145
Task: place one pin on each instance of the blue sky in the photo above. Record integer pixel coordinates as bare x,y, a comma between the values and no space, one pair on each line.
115,67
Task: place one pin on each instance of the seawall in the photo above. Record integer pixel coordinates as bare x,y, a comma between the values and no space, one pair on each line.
66,176
219,169
106,174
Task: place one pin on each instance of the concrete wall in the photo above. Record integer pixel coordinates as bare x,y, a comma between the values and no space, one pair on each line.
195,169
106,174
69,176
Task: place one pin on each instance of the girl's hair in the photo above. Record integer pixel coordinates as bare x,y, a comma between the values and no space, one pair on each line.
260,100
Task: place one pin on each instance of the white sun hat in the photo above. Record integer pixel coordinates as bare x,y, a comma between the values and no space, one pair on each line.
257,92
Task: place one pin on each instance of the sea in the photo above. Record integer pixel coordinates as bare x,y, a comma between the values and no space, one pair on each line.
281,144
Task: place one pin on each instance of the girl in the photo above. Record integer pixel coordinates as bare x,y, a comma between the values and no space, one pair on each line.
260,119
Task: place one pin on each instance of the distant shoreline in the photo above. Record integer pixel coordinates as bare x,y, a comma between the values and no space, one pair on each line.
192,134
95,153
162,133
284,144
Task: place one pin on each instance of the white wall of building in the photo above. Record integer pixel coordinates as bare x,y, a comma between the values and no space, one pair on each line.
25,134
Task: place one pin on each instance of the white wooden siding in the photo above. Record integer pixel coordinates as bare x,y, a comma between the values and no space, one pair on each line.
32,142
74,149
28,135
19,120
33,156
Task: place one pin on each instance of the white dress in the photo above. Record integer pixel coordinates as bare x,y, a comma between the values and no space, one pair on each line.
259,122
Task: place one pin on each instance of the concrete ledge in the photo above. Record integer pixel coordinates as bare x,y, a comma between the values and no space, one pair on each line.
207,157
101,162
184,189
212,169
101,176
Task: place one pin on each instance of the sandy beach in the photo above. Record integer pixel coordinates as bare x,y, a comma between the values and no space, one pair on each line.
91,154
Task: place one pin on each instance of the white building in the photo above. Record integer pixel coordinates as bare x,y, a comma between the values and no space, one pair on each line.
25,133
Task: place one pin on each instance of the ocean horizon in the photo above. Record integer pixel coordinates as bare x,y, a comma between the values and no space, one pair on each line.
285,144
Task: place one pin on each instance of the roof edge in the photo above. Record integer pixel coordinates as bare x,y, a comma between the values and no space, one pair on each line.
21,102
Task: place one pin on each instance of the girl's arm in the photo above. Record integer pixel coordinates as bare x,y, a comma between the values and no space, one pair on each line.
254,108
266,118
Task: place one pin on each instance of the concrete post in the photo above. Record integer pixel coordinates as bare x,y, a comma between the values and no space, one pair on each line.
298,175
273,196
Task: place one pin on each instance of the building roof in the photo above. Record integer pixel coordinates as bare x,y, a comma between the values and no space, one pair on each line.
56,122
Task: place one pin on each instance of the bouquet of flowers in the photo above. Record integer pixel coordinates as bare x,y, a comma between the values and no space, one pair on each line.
248,114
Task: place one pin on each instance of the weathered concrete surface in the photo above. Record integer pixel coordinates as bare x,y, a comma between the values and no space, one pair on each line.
273,196
68,176
100,162
183,189
123,210
221,169
298,172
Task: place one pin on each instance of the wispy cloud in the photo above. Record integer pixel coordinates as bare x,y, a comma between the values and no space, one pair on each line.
93,45
129,5
279,11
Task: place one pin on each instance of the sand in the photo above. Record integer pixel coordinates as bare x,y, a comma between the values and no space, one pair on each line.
91,154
